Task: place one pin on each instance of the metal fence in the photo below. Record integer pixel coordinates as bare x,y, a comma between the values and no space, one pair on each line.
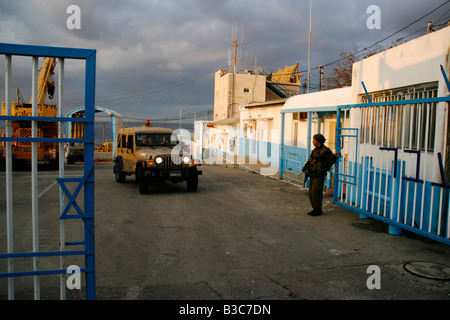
392,168
85,184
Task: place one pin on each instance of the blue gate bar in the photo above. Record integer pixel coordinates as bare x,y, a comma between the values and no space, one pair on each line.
44,254
49,119
394,103
89,55
365,179
40,273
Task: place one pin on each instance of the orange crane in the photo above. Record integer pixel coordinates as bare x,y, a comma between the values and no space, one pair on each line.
21,151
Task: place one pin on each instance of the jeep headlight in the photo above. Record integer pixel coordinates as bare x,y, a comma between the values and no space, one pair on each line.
159,160
186,160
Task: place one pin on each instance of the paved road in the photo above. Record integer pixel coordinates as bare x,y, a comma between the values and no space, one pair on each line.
240,236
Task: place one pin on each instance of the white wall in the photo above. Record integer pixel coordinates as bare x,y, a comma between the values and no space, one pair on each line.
413,63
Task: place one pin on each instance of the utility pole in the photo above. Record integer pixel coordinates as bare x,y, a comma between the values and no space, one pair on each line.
309,43
320,77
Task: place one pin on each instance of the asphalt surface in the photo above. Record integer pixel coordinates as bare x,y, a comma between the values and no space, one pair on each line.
240,236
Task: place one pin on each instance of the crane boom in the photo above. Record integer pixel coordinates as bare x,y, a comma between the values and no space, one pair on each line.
45,84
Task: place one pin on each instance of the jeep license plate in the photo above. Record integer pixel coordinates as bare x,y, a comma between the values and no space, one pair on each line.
174,174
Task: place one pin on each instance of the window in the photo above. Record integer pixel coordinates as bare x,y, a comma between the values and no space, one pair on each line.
143,140
119,140
130,142
300,116
296,134
303,116
124,141
409,126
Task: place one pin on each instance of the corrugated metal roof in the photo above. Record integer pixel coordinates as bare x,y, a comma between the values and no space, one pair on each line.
318,101
275,102
224,122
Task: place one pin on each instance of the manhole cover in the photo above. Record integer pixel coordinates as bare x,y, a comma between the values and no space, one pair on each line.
428,270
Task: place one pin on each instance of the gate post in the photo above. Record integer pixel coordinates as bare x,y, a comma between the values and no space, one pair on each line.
89,114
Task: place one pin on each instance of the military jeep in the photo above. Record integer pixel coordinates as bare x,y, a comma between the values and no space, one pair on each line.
153,154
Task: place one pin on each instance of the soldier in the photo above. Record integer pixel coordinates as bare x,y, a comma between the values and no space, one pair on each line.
320,161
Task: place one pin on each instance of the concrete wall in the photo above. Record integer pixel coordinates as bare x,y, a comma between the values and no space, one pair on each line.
239,89
261,126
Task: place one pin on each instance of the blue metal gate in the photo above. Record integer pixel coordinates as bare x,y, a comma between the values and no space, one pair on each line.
85,183
391,167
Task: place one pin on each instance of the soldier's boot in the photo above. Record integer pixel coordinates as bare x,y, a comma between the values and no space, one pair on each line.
315,212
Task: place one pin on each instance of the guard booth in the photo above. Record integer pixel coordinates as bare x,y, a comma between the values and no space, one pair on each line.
76,193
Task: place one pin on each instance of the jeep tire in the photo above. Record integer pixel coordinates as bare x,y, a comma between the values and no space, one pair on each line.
142,180
70,159
192,180
120,176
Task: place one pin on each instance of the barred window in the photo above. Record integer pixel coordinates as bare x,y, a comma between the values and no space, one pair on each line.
300,116
409,126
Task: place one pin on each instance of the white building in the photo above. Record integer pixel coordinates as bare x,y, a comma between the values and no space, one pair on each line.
392,132
260,124
408,71
391,128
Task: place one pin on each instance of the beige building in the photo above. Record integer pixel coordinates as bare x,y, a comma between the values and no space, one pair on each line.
246,111
232,90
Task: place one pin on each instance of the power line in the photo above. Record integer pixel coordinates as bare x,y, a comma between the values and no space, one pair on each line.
378,42
190,115
140,92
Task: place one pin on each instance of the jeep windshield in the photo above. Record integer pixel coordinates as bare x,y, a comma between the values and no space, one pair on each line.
155,139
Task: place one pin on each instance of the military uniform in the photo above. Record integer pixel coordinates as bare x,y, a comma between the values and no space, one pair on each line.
320,161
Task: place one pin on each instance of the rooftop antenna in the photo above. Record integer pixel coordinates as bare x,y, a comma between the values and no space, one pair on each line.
229,57
236,43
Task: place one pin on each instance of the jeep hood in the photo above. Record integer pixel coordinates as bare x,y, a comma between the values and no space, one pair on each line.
146,153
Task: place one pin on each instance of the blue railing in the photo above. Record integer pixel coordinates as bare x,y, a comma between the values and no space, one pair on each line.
387,191
86,182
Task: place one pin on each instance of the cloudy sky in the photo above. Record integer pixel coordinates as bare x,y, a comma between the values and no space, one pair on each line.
168,50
